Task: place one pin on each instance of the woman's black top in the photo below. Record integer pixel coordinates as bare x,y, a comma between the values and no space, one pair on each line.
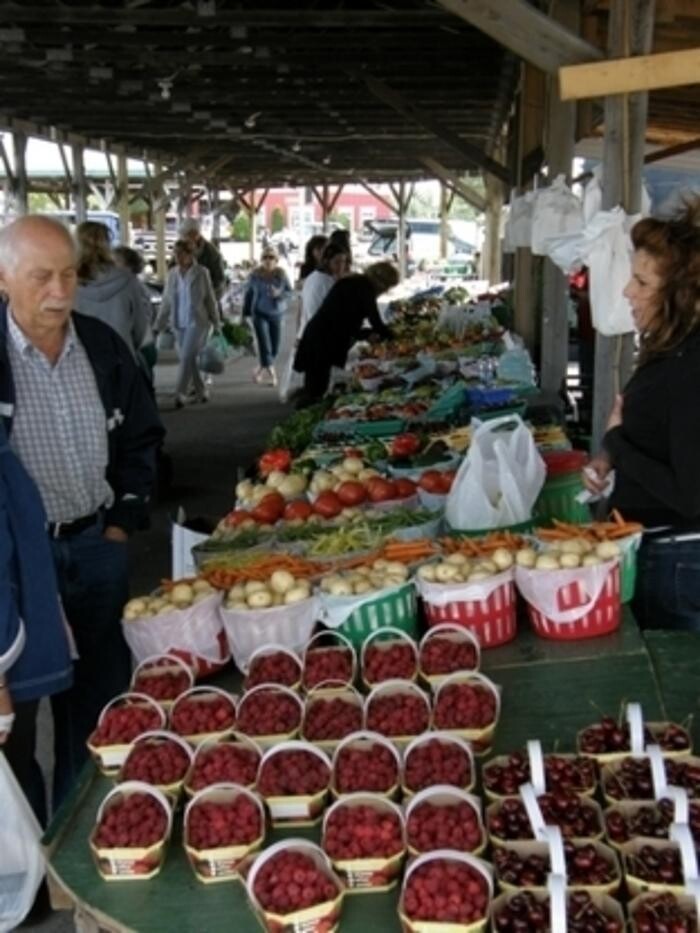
337,324
656,449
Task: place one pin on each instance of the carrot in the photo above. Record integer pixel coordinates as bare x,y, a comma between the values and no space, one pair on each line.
618,519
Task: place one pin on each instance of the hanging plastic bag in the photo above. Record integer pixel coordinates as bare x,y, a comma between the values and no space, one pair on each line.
165,340
607,251
21,860
291,380
518,227
212,357
556,212
593,196
500,478
565,251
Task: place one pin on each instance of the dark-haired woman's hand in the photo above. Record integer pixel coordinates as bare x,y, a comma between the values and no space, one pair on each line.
595,474
615,419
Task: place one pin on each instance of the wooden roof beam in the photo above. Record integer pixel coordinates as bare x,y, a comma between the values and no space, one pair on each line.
471,153
525,31
630,75
455,183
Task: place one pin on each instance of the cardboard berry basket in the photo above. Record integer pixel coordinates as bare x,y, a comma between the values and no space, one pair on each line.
687,903
296,811
384,639
365,740
637,885
194,634
480,738
110,758
329,641
321,918
487,608
524,849
571,605
655,729
208,694
156,666
130,863
628,809
444,795
267,741
410,925
273,648
331,690
214,865
452,632
608,905
250,629
447,738
610,771
494,809
537,773
398,687
206,746
367,875
155,738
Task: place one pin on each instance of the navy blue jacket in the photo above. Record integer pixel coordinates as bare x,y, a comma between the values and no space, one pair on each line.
34,650
134,428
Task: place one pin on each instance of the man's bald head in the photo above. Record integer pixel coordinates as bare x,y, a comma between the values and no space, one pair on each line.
30,230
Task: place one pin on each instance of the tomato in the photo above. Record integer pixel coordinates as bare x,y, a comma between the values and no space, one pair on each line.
432,481
405,488
405,445
300,508
448,477
381,490
278,459
269,509
237,517
328,505
351,493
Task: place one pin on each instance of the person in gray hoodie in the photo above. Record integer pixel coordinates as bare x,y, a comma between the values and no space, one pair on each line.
111,294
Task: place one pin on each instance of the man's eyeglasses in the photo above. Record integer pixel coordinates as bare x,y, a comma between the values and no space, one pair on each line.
269,256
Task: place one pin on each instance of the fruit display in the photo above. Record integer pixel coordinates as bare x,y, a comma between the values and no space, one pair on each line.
176,595
655,864
270,712
294,877
388,654
625,821
444,817
280,589
631,778
133,824
458,568
578,817
527,865
445,887
437,758
203,712
158,758
330,714
273,664
122,720
610,738
163,678
397,709
467,703
503,776
227,761
222,826
529,911
293,769
365,762
328,663
663,913
447,649
379,575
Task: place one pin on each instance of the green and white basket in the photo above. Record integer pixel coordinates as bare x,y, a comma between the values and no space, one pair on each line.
358,616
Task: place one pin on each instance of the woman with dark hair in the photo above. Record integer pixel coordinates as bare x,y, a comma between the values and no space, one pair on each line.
653,434
337,324
333,266
341,238
312,255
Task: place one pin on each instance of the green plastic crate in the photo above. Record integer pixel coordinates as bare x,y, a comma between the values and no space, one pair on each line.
399,610
361,428
628,566
558,500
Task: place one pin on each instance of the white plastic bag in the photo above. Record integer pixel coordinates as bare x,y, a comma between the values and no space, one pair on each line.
442,594
518,227
565,251
499,479
544,590
607,251
212,356
556,212
250,629
291,380
183,540
21,860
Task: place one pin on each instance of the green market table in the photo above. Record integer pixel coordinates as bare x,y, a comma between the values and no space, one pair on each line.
550,691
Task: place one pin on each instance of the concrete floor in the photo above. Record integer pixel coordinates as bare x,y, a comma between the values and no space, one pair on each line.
208,444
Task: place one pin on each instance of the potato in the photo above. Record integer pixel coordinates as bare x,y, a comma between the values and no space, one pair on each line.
275,478
254,586
327,583
526,557
446,573
244,489
570,560
353,465
362,587
260,599
281,582
486,566
366,474
502,558
202,586
397,569
292,486
236,604
477,575
380,564
236,592
607,550
182,594
393,579
341,588
200,597
547,562
427,573
591,560
457,559
297,594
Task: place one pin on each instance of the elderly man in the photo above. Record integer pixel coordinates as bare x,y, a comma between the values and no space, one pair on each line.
206,254
80,419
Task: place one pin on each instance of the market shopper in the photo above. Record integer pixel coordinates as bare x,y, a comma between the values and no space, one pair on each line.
653,433
80,419
337,324
265,302
127,258
334,265
189,307
312,255
206,254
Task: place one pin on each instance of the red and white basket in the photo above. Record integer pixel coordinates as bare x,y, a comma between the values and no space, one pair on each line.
568,605
487,607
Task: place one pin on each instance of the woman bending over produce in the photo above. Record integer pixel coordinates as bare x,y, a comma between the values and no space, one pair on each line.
337,324
653,435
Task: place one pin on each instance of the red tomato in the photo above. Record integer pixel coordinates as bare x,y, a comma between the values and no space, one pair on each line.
405,445
431,481
351,493
405,488
447,478
381,490
300,508
237,517
269,509
328,505
278,459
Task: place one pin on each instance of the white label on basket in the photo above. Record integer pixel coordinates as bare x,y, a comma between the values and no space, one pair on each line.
289,809
112,759
681,806
555,842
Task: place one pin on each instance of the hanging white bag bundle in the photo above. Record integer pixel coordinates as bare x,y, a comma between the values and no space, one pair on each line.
556,212
21,859
607,251
518,227
499,479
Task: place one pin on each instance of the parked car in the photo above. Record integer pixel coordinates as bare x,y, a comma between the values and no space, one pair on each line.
423,239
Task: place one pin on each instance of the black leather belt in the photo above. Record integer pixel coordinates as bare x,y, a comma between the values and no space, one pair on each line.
68,529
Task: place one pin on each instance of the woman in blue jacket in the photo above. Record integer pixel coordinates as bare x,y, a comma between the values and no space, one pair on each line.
265,302
35,658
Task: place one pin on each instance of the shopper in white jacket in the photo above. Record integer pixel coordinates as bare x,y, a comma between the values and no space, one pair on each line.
189,306
334,265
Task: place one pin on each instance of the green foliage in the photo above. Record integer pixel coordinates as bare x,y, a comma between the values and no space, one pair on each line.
240,228
277,221
341,219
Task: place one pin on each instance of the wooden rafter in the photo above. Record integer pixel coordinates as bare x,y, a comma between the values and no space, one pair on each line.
629,75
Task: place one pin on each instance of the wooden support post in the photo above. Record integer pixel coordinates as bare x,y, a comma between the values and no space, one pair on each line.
21,184
67,173
252,215
79,186
324,207
215,214
561,126
403,199
123,189
446,199
630,31
491,260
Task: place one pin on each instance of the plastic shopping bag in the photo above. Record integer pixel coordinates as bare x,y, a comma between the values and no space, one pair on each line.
607,251
550,591
499,480
518,227
21,859
213,355
556,212
291,380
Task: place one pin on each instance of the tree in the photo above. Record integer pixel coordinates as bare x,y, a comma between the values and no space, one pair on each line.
240,228
342,220
277,221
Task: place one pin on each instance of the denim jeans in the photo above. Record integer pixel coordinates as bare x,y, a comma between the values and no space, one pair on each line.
667,595
268,331
92,575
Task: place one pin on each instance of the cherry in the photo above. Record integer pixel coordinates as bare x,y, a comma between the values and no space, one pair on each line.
577,817
662,913
575,774
525,913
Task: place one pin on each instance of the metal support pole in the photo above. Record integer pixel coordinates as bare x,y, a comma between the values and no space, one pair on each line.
160,204
21,184
79,185
444,223
252,214
123,188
